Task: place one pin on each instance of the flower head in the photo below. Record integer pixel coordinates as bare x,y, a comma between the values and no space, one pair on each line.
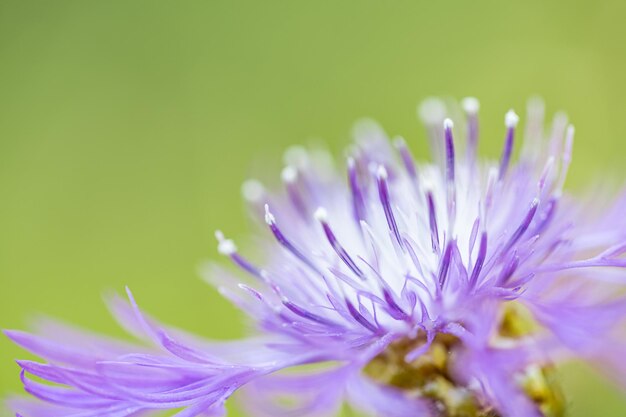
447,288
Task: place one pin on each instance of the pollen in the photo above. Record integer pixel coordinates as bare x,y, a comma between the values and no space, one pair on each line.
428,376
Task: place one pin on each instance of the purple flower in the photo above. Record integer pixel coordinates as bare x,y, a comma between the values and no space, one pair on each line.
448,288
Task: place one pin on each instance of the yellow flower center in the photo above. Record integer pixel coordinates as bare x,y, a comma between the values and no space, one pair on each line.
429,377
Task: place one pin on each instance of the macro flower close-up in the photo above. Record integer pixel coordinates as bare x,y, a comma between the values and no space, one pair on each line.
444,285
312,209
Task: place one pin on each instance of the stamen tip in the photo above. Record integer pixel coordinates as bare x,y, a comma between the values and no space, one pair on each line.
448,124
381,172
289,174
225,246
470,105
269,217
511,119
427,185
321,214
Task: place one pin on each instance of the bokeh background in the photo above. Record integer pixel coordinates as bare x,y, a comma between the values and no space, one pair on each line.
127,127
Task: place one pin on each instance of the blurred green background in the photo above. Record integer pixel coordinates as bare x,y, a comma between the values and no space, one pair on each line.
126,128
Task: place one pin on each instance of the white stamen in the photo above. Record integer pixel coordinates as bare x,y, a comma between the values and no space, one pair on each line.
289,174
399,142
471,105
265,275
428,185
492,178
225,246
547,169
382,172
548,166
367,130
321,215
448,124
296,156
323,161
249,289
226,293
566,156
535,107
569,143
431,111
269,217
569,138
252,190
511,119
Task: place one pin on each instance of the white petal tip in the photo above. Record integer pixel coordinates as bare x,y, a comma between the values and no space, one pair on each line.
431,111
470,105
448,124
511,119
427,185
296,156
366,129
321,214
252,190
289,174
381,172
536,106
399,142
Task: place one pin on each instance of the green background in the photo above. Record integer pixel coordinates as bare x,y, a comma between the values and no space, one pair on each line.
126,128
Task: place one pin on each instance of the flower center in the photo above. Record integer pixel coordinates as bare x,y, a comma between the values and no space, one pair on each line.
428,376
